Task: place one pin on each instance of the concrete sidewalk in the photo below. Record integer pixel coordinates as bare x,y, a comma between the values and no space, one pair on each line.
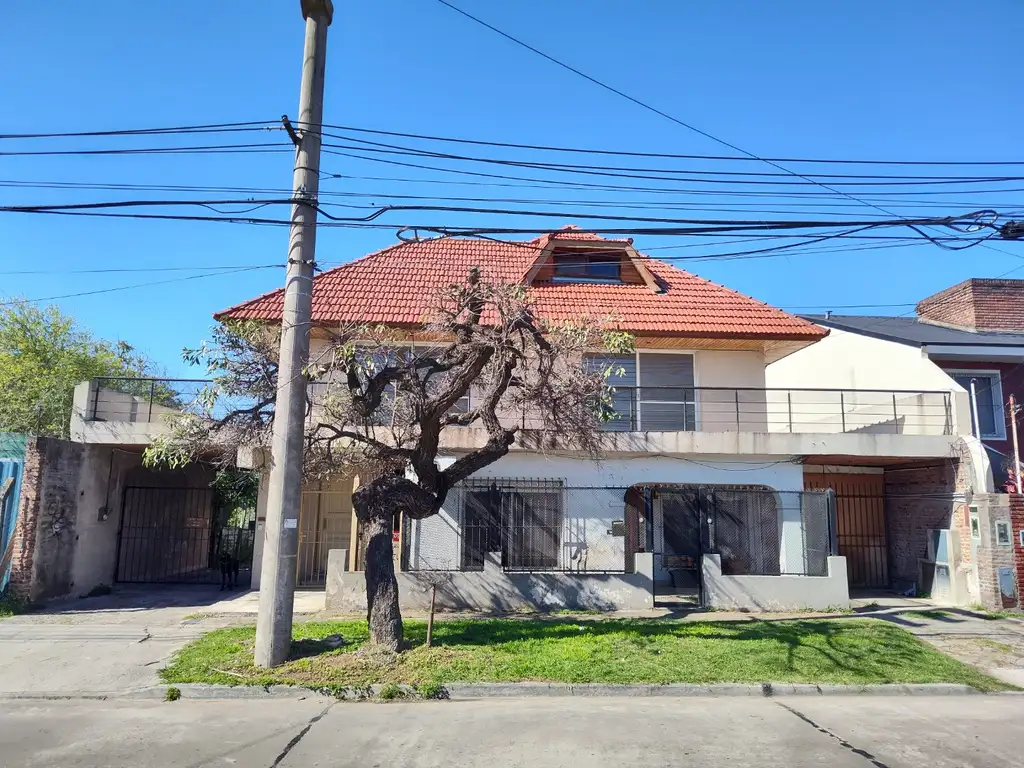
115,644
995,645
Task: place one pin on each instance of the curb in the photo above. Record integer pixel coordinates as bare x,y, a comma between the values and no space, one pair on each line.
474,691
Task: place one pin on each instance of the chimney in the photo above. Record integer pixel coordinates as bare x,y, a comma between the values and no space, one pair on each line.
977,304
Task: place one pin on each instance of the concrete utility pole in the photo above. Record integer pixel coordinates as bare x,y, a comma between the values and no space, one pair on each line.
277,579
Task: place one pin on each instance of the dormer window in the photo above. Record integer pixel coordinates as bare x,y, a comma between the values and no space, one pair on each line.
586,267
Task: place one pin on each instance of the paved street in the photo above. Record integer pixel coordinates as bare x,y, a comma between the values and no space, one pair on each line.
845,732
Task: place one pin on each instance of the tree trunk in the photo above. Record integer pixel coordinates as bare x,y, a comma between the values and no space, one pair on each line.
383,614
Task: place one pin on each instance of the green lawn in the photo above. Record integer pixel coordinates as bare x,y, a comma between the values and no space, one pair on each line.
577,651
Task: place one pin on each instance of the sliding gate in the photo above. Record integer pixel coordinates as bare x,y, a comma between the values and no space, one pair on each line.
180,536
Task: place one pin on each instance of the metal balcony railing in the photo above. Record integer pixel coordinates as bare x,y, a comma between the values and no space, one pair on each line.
141,400
646,409
748,409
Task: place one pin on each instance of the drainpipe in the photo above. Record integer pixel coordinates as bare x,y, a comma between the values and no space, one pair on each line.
974,410
1016,447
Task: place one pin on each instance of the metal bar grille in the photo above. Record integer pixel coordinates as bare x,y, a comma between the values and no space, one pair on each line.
177,536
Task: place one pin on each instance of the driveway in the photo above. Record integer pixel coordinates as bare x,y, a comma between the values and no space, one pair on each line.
839,731
115,643
996,645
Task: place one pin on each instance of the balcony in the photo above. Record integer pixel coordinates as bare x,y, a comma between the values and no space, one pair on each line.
794,411
711,420
129,411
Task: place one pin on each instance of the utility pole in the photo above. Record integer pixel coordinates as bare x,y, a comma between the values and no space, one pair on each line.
1016,446
277,577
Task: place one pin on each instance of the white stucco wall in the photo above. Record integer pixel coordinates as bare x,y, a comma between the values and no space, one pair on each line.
729,409
622,473
594,498
845,360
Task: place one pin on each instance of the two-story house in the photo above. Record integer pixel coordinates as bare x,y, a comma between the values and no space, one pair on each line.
729,475
702,484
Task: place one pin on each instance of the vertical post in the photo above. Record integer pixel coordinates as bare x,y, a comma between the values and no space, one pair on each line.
789,407
1016,446
96,399
974,410
284,491
152,395
895,415
736,398
842,408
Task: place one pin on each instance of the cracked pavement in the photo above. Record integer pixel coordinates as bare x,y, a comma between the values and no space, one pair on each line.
839,731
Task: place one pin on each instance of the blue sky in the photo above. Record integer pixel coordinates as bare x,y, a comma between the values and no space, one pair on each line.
918,79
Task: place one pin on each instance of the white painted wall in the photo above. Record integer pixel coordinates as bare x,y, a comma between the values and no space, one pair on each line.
845,360
728,410
622,473
595,498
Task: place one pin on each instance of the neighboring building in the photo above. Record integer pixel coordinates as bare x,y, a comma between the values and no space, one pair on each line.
974,332
968,339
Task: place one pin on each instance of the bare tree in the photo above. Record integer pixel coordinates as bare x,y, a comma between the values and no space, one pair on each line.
379,405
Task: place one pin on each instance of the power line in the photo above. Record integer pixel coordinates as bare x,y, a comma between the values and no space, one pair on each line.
657,111
396,149
263,148
136,285
206,128
671,156
652,204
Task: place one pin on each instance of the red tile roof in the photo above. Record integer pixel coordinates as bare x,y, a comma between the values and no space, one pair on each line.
396,286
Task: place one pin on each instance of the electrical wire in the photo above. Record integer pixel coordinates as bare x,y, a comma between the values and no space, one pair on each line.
625,153
136,285
205,128
666,115
629,172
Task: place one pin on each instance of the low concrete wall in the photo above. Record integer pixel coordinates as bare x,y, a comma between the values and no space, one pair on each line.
494,589
775,593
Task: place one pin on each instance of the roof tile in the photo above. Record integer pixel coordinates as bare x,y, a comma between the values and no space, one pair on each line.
397,285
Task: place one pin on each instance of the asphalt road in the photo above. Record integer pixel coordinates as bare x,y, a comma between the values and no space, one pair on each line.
839,731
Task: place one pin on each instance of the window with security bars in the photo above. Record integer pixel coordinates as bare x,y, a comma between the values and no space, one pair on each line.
523,522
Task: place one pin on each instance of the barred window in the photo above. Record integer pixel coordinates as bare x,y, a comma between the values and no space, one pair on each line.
522,521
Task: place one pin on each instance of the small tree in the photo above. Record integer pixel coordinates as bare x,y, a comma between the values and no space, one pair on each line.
44,354
379,405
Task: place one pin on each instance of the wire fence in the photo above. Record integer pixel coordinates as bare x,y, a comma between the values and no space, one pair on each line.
544,525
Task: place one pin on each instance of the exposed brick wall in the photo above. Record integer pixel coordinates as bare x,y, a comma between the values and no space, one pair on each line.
1017,523
20,584
44,535
918,500
983,304
992,556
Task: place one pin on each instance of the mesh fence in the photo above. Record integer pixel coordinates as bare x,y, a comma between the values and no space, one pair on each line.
533,525
767,533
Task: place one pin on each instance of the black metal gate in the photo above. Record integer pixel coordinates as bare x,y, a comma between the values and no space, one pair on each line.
179,536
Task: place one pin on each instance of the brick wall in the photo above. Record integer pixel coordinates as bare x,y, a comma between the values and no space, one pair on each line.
986,304
1017,523
44,535
992,556
20,584
918,500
